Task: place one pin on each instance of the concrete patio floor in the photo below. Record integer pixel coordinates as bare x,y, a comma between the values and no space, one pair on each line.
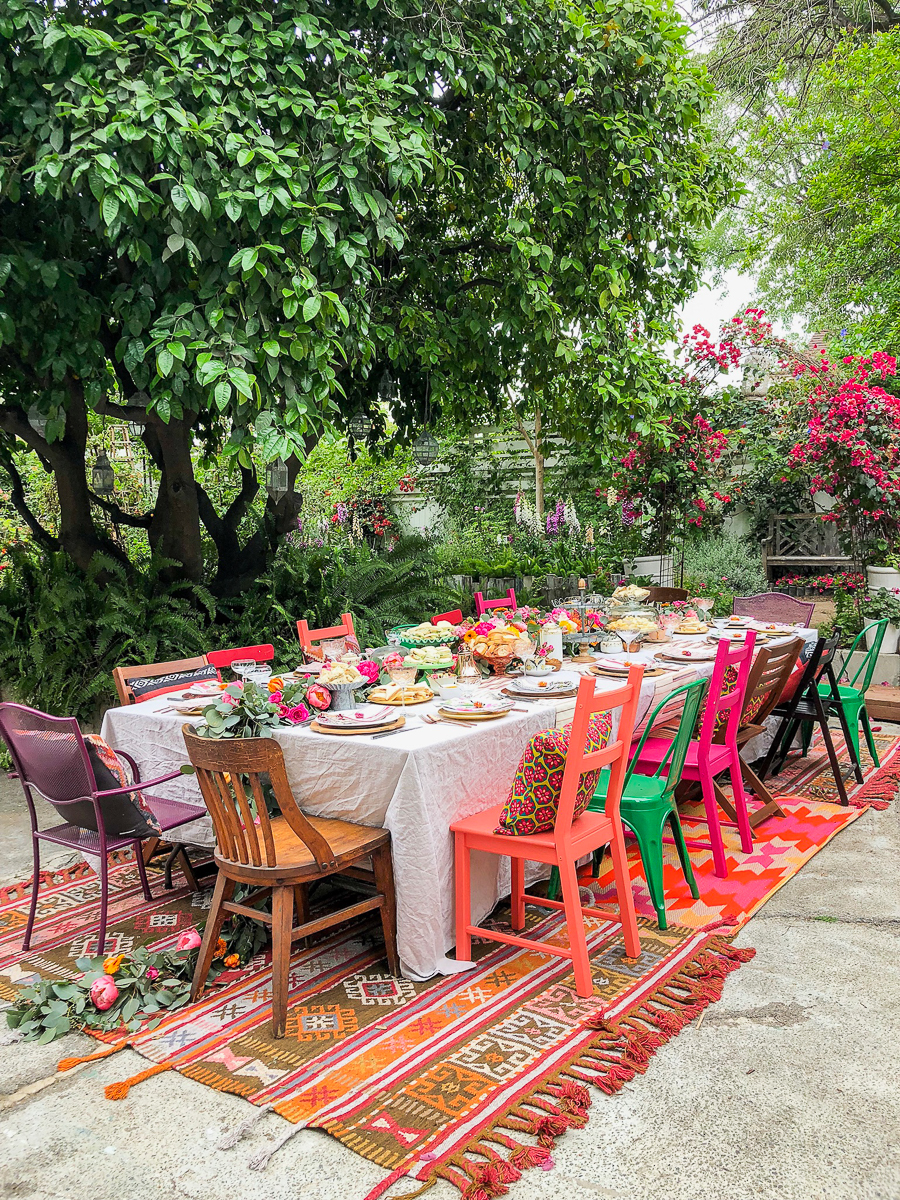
787,1089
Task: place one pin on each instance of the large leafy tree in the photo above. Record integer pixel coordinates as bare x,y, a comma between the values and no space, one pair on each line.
238,224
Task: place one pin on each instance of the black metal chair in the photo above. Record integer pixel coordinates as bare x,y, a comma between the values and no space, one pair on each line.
806,705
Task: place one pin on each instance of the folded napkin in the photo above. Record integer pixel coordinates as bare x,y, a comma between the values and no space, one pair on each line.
356,718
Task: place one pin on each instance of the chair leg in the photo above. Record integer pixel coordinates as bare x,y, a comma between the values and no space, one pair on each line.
624,894
870,739
104,901
188,870
806,738
553,884
301,902
463,900
711,804
770,806
740,801
651,847
853,731
517,892
832,755
581,964
787,738
684,857
282,921
142,870
223,891
848,742
35,884
383,866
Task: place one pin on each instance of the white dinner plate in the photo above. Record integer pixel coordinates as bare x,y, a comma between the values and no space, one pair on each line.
688,653
357,717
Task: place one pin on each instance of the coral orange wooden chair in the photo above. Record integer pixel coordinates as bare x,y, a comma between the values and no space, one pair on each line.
572,838
224,658
482,606
327,638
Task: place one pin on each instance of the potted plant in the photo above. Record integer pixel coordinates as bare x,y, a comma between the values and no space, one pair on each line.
885,574
878,605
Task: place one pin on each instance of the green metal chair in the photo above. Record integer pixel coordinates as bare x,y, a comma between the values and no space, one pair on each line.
648,801
853,694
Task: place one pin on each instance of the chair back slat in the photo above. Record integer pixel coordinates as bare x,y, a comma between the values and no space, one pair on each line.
121,675
774,606
222,767
454,616
482,606
614,755
666,595
224,658
727,688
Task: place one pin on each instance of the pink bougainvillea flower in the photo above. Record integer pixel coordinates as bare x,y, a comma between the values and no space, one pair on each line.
104,992
188,940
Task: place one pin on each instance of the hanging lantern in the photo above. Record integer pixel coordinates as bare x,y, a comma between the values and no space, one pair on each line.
425,449
103,477
277,479
360,426
37,421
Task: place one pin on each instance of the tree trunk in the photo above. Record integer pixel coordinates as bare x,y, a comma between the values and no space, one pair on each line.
175,529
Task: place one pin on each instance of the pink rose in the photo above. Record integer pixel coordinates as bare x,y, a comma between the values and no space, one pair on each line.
296,715
152,973
318,696
188,940
370,669
104,992
276,698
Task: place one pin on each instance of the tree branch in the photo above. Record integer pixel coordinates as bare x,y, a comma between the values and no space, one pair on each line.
134,520
245,497
17,495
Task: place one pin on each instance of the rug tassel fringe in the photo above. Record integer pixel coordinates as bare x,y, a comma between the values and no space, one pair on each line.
261,1161
240,1131
387,1183
66,1064
118,1091
620,1051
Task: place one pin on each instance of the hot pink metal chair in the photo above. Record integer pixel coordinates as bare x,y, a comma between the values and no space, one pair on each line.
482,605
224,658
571,839
707,759
50,756
774,606
454,616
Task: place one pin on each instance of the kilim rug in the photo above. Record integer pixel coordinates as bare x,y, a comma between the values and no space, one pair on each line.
470,1077
813,816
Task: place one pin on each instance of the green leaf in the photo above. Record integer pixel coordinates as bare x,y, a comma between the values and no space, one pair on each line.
311,307
308,239
110,208
179,198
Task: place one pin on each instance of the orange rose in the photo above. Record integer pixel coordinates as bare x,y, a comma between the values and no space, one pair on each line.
276,684
220,948
112,964
232,961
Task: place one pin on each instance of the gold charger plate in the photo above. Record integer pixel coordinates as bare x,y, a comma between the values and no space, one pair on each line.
403,703
556,694
476,716
350,731
649,672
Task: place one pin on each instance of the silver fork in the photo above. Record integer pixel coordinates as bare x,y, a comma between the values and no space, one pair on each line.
431,720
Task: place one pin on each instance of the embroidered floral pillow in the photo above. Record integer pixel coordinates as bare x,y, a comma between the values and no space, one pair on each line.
534,796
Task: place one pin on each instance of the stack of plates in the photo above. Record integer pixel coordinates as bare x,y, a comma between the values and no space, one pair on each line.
486,708
560,684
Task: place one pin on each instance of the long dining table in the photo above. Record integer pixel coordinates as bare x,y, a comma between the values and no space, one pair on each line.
415,783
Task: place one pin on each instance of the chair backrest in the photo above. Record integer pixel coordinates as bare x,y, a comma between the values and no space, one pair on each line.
774,606
770,672
331,633
682,704
482,605
866,668
666,595
613,755
176,668
229,773
49,753
224,658
727,689
454,616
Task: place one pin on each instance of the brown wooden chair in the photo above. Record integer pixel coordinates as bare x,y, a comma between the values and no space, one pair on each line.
158,671
769,674
282,854
666,595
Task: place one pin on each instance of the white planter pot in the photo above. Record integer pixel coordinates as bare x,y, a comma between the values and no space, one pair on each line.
883,577
659,567
891,639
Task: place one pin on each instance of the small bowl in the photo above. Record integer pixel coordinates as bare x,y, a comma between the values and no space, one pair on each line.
537,671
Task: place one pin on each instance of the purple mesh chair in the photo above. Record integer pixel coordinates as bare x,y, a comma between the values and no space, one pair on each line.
50,756
775,607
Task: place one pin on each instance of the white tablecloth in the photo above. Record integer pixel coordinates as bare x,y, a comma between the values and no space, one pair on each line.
414,783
